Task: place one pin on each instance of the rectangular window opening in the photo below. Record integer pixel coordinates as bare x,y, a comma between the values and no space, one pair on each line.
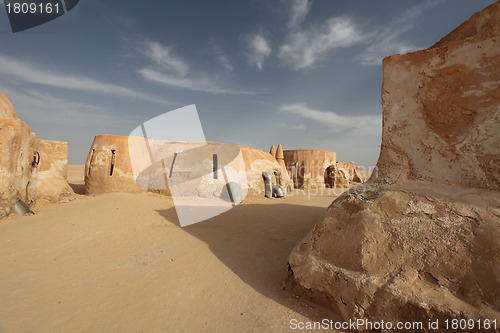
90,162
215,166
172,166
113,155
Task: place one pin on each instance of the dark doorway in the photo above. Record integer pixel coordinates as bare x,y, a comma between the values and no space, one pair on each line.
330,176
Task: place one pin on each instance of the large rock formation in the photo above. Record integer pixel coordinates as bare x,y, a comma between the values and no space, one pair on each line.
26,169
420,239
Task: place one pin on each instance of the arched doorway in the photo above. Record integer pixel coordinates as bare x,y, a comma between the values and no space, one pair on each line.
330,176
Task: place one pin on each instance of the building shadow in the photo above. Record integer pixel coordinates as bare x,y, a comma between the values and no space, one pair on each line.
78,188
254,241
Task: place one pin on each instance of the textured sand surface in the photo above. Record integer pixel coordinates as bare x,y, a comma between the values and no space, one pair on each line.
120,262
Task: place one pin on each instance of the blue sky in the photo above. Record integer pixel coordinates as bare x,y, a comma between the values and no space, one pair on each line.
303,73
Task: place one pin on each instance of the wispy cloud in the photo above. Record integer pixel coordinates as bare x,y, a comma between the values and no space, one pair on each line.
387,40
258,49
362,125
199,84
168,69
298,12
224,61
305,48
41,107
30,73
164,58
222,58
293,127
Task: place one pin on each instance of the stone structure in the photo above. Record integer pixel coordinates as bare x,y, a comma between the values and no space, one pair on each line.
421,241
308,168
26,168
272,151
109,168
285,181
342,174
58,154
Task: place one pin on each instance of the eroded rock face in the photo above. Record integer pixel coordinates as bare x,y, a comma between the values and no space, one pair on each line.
26,169
420,239
441,109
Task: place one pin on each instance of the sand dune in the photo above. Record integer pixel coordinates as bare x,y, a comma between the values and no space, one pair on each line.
120,262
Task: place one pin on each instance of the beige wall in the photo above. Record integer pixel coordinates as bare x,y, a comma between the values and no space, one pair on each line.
307,167
441,105
196,159
58,154
20,177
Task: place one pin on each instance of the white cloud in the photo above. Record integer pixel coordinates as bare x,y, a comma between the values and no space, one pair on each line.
222,58
163,57
30,73
36,106
224,62
196,84
387,41
293,127
298,12
170,70
360,125
259,49
374,53
306,48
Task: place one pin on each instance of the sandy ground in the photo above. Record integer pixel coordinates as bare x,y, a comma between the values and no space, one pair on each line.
120,263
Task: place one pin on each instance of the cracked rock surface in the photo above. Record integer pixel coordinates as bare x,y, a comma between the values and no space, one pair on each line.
420,239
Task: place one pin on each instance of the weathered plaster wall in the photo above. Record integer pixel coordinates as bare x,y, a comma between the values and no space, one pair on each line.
20,174
193,159
344,173
7,110
420,240
307,167
58,154
442,105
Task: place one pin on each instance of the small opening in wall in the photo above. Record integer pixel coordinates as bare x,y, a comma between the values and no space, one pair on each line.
90,161
172,166
277,175
113,155
36,159
215,166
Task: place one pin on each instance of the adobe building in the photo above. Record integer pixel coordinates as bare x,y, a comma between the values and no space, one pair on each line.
342,174
27,171
309,168
133,164
58,153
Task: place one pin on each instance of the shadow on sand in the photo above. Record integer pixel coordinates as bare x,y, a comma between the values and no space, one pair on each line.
254,241
78,188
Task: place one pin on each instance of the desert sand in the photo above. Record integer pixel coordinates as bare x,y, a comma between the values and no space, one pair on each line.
120,262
